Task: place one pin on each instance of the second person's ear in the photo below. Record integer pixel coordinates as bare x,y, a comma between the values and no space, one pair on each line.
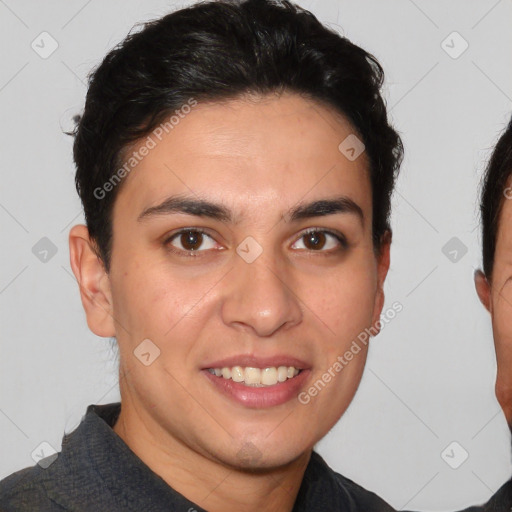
483,289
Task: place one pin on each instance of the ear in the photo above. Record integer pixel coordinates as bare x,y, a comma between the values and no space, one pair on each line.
93,281
483,289
383,260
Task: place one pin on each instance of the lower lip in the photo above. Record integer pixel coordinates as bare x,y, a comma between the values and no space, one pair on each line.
260,397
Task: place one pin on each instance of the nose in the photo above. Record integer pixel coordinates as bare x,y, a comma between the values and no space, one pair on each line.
261,297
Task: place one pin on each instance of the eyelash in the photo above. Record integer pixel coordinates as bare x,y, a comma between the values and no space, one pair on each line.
195,254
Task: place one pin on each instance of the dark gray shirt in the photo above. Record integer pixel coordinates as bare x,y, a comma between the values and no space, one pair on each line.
500,502
97,472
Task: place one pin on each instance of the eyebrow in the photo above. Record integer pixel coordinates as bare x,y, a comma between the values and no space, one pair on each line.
204,208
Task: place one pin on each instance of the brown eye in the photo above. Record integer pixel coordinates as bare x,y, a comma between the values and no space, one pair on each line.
190,240
315,240
318,240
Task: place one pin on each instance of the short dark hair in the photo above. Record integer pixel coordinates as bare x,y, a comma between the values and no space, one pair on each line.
494,193
221,50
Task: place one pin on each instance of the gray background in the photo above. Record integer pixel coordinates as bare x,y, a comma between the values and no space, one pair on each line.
430,374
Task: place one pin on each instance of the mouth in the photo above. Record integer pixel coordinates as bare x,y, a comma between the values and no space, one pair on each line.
258,382
256,377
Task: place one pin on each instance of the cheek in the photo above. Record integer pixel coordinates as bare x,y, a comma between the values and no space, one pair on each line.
154,297
345,301
502,332
502,320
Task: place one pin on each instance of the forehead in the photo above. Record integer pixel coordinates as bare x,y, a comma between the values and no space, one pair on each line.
255,153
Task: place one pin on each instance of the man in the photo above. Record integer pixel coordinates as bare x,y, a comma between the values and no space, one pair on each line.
235,164
494,283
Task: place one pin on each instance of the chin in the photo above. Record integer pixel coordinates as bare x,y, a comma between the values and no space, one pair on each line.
260,455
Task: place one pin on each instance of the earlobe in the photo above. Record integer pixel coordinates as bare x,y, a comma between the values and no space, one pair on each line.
94,282
483,289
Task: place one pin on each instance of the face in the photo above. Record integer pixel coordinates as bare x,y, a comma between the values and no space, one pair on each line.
264,278
496,296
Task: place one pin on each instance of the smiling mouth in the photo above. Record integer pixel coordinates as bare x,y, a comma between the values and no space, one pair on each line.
256,377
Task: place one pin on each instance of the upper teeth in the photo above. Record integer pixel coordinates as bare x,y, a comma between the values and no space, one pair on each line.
256,376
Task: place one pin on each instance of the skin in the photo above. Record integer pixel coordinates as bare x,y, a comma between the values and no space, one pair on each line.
495,293
259,157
